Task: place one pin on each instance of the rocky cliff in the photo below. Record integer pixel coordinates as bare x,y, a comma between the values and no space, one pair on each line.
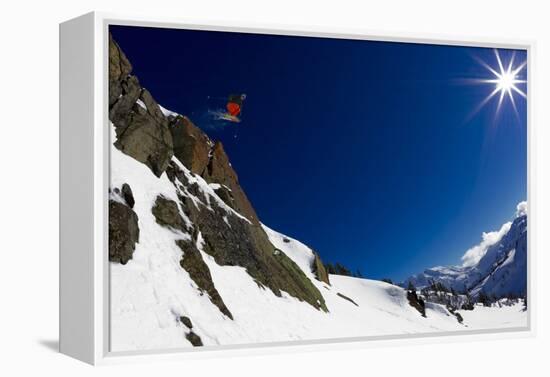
141,128
210,213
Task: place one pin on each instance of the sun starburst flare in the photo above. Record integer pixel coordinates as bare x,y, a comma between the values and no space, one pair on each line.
505,81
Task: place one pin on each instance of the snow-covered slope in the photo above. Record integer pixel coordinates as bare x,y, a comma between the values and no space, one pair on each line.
151,292
497,266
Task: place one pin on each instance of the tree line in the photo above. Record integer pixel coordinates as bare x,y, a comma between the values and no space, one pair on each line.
339,269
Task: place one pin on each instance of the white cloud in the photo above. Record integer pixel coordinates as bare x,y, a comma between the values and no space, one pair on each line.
474,254
521,209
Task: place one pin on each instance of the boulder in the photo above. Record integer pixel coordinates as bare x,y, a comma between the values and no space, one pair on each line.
123,232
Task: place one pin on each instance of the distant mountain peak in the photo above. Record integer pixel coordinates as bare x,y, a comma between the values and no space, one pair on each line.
496,266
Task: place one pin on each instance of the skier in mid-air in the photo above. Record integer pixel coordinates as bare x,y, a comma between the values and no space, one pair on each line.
235,104
233,108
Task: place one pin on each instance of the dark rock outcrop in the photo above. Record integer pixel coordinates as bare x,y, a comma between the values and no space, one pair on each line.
186,321
453,311
142,133
416,302
318,268
346,298
119,69
193,263
191,145
194,339
128,196
123,232
219,170
458,317
225,195
167,214
203,157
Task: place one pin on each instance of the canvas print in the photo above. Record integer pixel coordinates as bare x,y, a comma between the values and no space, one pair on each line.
271,188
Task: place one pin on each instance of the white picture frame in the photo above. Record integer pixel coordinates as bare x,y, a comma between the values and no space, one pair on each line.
84,177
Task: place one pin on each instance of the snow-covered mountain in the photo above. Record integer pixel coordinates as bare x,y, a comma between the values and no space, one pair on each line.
191,264
497,266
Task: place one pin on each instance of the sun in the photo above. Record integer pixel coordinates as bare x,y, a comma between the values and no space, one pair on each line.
505,80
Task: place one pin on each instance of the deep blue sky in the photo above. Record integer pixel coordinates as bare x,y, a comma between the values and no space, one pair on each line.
366,151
